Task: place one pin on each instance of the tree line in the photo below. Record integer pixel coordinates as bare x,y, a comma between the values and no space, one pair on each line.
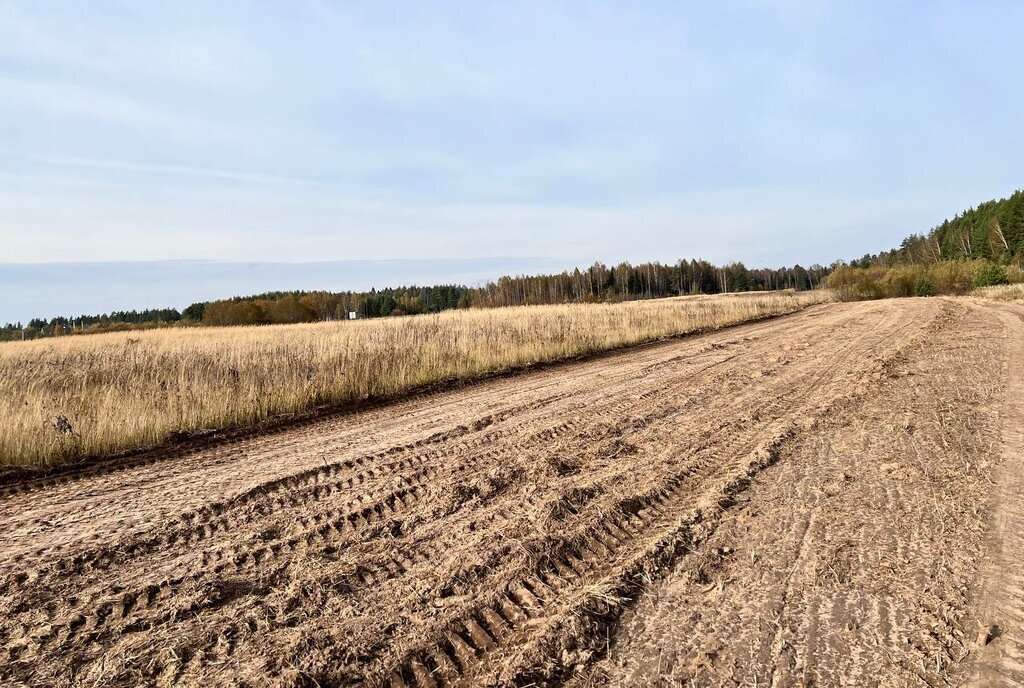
82,324
294,307
993,231
597,283
624,282
980,247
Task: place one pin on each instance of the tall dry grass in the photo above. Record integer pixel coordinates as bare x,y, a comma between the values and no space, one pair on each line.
125,390
1002,292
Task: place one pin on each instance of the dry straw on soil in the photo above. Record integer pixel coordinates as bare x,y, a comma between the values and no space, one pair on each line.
81,396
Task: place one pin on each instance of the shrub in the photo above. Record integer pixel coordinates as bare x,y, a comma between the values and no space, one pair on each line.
952,277
857,284
990,275
949,277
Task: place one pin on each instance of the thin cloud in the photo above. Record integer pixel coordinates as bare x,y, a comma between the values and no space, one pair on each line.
747,129
129,166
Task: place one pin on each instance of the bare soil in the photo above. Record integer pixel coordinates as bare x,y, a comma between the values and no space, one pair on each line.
829,498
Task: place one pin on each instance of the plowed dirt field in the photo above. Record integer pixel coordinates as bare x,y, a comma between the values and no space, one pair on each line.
834,497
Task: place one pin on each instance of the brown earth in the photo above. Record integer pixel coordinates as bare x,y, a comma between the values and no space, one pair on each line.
829,498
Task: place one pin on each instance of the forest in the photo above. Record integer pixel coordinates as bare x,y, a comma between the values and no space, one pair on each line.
981,247
993,231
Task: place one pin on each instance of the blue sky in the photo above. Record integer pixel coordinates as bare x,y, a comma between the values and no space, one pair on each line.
767,131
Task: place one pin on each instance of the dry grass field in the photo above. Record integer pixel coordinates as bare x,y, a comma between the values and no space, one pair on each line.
828,498
64,398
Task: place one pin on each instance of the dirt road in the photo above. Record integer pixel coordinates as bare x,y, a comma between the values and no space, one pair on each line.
822,499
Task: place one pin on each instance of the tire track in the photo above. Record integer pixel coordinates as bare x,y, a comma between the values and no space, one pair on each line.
1000,621
838,570
348,520
488,629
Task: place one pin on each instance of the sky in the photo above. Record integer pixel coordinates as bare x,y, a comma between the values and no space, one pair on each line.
768,131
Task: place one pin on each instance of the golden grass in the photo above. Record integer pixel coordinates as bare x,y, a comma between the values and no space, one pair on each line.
127,390
1004,292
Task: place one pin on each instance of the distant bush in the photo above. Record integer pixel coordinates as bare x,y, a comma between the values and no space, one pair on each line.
944,278
953,277
991,275
857,284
